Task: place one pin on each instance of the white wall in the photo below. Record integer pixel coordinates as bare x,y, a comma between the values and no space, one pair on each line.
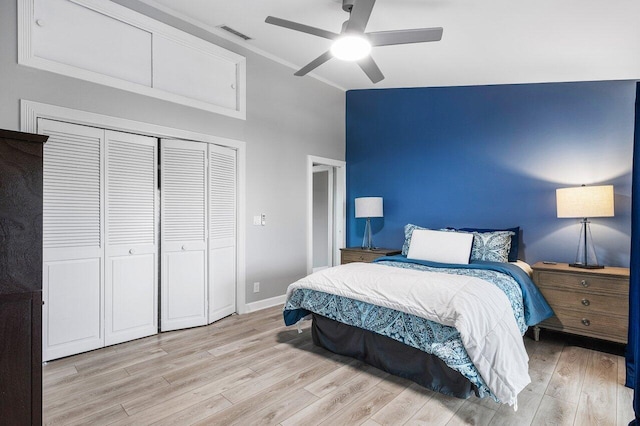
288,118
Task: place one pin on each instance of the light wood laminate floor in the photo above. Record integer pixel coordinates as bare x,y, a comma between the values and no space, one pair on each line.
251,370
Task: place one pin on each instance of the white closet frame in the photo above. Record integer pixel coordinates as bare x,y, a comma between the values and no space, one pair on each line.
30,111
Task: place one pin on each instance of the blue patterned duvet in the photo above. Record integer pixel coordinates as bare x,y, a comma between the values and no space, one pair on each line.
428,336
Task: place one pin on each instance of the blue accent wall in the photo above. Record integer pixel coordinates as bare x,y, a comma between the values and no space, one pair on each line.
493,156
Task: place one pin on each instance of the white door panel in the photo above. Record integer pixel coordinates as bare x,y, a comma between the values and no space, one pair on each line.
133,283
211,78
94,42
99,238
72,186
72,307
73,249
222,284
186,294
183,234
130,228
222,232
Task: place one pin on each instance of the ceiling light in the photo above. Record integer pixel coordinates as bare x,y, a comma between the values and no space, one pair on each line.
350,48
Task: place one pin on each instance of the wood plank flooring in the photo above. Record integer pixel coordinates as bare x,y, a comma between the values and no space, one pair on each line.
251,370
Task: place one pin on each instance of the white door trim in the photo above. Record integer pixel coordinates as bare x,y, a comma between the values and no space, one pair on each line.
30,111
338,212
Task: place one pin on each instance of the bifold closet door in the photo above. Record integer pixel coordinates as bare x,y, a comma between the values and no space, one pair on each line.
183,212
99,238
131,296
222,232
73,240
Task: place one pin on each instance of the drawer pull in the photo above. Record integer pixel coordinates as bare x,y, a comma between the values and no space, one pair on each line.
584,283
586,322
586,302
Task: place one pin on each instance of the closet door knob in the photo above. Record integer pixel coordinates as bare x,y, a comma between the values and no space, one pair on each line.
132,251
586,302
40,22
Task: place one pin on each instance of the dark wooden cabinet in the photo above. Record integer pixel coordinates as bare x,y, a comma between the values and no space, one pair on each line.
20,278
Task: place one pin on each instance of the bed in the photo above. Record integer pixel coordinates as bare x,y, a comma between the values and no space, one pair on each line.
455,328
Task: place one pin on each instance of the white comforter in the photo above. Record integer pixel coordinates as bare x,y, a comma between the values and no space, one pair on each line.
480,312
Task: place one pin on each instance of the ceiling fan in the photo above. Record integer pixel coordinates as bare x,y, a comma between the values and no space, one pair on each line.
353,43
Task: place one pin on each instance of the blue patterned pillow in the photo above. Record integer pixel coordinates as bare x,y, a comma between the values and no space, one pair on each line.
408,231
515,239
491,246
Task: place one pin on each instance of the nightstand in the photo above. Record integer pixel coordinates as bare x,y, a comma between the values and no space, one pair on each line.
357,254
588,302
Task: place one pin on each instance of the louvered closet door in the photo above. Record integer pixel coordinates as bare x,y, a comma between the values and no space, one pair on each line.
222,232
183,212
72,239
131,247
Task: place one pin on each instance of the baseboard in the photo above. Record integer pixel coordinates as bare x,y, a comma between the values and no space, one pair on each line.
264,304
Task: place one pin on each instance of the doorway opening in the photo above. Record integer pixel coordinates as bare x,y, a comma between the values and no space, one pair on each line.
325,211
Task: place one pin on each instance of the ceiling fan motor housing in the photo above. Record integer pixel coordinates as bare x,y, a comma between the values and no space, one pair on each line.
347,5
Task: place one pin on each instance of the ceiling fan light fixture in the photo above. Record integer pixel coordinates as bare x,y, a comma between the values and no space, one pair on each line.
353,43
350,48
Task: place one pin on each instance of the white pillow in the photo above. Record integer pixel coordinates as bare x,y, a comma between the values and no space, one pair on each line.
440,246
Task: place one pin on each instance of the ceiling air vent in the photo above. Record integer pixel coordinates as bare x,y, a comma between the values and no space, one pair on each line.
235,32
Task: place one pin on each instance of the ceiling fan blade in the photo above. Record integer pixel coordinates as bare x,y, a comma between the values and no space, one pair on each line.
360,15
314,64
420,35
301,27
371,69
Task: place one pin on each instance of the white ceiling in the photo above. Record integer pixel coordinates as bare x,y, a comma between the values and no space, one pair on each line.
484,41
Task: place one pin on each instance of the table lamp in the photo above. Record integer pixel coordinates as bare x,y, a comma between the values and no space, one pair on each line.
585,202
368,207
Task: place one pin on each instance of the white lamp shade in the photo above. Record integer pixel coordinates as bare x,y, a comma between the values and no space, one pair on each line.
585,201
369,207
